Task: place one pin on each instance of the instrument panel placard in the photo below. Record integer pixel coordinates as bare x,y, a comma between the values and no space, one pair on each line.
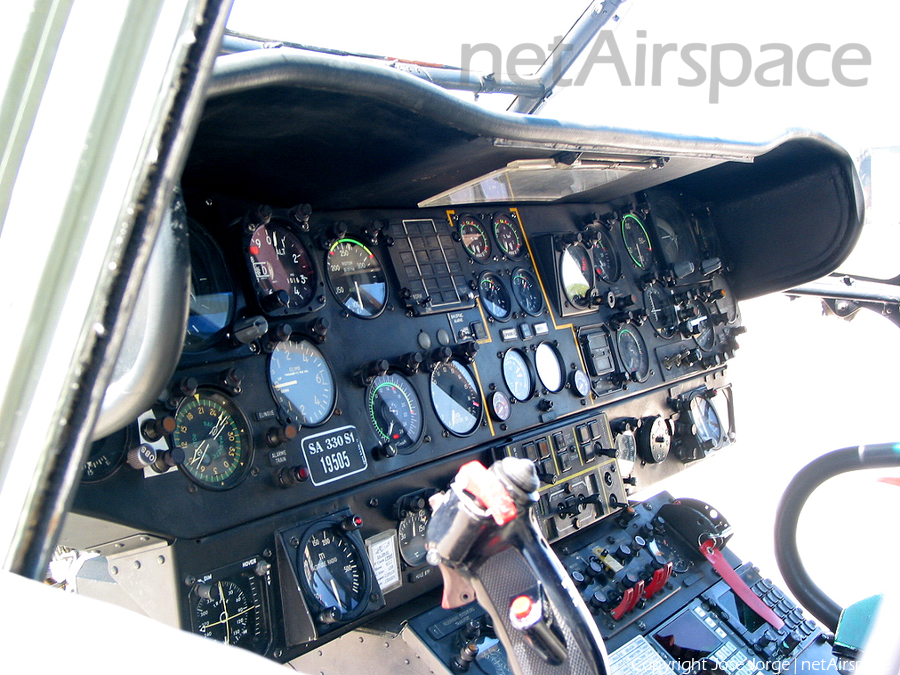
333,455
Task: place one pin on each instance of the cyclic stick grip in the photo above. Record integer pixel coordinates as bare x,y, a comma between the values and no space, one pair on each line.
488,547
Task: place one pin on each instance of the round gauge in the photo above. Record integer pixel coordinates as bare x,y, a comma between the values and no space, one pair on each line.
550,369
517,375
637,241
212,295
727,303
707,423
509,236
411,536
606,260
705,334
660,310
356,278
494,296
456,398
673,231
581,383
633,353
499,405
527,291
654,440
213,433
395,412
333,572
302,382
577,274
474,238
229,611
108,454
280,262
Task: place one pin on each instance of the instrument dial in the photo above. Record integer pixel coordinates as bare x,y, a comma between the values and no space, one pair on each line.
356,278
333,572
456,398
108,454
499,405
527,291
212,294
637,241
302,382
474,238
411,536
395,411
705,336
606,260
509,236
280,262
576,271
230,611
707,423
673,231
661,310
213,434
494,296
550,369
517,375
654,440
633,353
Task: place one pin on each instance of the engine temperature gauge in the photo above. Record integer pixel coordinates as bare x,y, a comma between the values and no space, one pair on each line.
509,236
395,412
474,238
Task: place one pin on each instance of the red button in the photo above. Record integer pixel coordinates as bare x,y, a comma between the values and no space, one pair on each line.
521,607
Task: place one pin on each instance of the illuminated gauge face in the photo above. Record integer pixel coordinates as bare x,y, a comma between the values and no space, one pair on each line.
494,296
356,278
474,238
395,412
707,422
333,573
576,271
517,375
230,611
108,454
673,230
581,383
411,536
549,365
212,432
280,262
633,353
212,295
456,398
637,241
606,260
302,382
705,334
660,310
527,291
509,236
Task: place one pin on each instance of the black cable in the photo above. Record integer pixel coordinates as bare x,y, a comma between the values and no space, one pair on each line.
798,491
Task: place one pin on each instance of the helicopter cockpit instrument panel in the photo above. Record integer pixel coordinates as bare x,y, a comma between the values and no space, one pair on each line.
347,351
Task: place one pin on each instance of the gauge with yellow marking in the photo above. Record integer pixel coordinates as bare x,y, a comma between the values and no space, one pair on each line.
213,434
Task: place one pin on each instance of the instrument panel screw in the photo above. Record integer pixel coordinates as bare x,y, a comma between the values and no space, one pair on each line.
445,433
254,472
427,439
295,542
373,597
373,503
192,488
